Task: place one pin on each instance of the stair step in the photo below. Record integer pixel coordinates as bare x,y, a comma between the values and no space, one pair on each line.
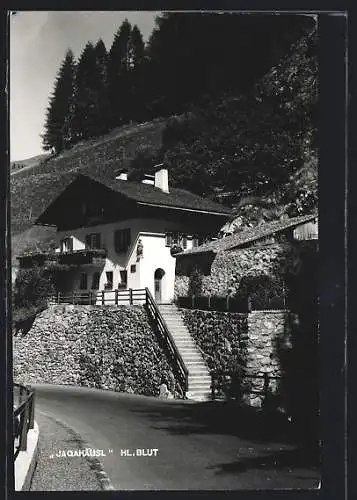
197,387
185,342
196,369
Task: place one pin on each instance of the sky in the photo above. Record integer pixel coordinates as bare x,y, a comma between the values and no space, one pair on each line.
38,43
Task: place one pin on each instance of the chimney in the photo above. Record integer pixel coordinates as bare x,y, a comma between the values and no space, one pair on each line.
122,175
149,179
162,179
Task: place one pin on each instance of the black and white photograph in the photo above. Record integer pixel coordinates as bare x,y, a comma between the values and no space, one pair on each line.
165,250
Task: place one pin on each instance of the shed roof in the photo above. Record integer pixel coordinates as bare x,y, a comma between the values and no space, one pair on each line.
248,235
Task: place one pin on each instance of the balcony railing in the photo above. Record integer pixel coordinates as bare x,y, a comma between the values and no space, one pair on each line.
90,256
37,259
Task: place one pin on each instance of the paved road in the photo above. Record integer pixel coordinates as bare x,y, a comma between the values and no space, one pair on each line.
206,446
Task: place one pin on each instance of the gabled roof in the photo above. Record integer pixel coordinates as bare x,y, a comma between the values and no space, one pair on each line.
151,195
248,235
147,194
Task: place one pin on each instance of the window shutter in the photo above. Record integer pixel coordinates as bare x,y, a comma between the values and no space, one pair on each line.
84,282
97,240
184,241
88,241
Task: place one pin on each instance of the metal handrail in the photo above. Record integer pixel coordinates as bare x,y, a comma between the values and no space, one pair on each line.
23,418
166,335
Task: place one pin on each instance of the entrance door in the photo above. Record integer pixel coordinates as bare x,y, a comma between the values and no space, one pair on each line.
158,276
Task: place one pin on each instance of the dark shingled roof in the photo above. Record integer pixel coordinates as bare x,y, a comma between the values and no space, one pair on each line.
148,194
248,235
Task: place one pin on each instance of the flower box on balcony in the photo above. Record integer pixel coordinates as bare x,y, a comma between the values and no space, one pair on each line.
36,259
93,257
175,249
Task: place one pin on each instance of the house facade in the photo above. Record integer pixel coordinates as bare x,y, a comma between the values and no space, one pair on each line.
121,235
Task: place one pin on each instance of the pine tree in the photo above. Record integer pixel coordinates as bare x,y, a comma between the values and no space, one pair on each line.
137,75
87,90
101,87
58,126
118,70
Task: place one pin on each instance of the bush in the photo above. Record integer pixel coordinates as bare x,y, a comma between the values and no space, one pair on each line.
195,283
32,288
263,292
31,291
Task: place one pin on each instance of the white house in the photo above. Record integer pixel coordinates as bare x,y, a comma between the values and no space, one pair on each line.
119,235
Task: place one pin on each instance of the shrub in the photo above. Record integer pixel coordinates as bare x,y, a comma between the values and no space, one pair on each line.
30,296
32,288
195,283
263,292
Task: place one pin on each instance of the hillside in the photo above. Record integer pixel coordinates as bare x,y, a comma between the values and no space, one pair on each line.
255,152
16,166
32,190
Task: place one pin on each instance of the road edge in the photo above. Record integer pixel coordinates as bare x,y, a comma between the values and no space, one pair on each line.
95,465
26,461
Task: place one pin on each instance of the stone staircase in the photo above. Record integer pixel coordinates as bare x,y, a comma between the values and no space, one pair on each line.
199,379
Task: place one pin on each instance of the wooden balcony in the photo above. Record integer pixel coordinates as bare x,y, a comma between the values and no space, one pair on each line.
41,259
87,257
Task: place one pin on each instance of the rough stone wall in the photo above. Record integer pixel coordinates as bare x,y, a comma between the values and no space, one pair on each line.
228,268
93,346
222,339
181,286
231,341
267,332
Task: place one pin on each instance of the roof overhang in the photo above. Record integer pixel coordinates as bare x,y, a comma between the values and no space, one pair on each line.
208,212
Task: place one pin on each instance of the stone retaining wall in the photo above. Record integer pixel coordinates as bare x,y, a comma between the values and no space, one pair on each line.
231,341
229,267
111,348
266,332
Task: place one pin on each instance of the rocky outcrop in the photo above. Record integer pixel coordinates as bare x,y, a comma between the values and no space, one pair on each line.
94,346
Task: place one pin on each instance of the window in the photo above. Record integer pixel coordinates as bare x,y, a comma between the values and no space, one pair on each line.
109,284
67,245
168,240
198,239
83,284
133,268
175,238
95,282
93,240
123,279
92,210
121,240
195,241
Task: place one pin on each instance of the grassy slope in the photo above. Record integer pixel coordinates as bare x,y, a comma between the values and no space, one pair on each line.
16,166
33,190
